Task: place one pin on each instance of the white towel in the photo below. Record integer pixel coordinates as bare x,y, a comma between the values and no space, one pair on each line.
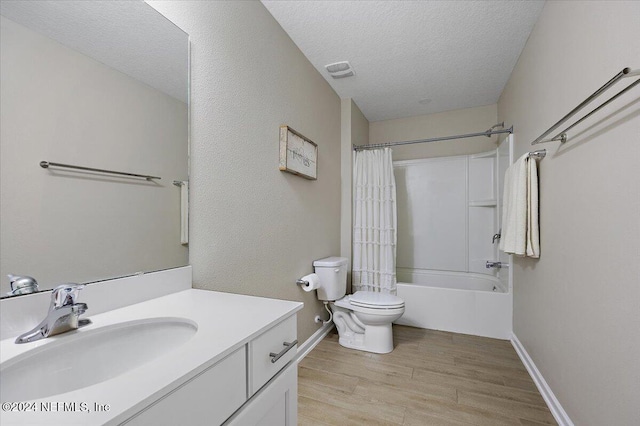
184,212
533,227
520,230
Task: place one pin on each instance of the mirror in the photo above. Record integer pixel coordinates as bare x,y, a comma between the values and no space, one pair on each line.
104,85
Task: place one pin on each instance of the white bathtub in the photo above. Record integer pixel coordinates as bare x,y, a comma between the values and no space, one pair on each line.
453,301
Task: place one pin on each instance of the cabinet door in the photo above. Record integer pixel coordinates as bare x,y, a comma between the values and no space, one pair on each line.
276,404
207,399
261,367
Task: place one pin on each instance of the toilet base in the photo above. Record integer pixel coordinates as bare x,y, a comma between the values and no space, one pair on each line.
377,339
365,329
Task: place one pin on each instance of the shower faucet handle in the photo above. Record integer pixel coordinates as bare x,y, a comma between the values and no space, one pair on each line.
496,237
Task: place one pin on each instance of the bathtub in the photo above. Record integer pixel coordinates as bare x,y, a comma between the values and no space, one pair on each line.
454,301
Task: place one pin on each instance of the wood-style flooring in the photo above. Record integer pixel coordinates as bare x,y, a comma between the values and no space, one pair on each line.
430,378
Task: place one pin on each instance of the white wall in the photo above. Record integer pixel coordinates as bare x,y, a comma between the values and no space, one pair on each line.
577,308
62,106
456,122
255,229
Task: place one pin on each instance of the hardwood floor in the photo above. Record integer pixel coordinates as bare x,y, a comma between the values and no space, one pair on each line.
431,378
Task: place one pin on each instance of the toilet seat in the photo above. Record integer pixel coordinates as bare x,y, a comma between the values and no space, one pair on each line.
371,300
366,301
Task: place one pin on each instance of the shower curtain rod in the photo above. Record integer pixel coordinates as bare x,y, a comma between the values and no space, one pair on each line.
487,133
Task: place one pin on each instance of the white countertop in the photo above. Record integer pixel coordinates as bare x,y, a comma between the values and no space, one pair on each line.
225,323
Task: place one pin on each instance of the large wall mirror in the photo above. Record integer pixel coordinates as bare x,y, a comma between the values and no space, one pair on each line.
98,84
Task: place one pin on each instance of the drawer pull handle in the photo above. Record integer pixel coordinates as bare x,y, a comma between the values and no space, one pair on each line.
276,357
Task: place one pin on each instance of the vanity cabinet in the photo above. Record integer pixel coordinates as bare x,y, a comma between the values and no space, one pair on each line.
246,382
236,368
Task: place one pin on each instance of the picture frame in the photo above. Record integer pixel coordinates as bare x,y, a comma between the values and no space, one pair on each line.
298,154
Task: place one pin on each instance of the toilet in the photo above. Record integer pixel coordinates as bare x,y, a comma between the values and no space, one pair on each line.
364,318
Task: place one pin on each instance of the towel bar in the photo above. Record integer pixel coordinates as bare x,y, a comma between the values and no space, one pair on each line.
562,136
46,164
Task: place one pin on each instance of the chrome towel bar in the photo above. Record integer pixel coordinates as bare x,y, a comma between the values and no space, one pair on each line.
562,136
46,164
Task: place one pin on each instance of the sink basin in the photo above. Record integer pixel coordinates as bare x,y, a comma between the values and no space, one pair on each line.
82,359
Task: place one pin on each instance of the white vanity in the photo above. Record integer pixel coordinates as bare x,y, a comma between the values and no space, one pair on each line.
218,369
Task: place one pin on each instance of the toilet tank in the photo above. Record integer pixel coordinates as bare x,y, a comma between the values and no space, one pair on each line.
332,272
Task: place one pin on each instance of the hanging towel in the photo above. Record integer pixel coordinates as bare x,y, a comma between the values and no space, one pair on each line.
184,213
520,229
533,227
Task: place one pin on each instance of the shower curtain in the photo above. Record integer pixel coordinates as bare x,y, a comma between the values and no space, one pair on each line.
374,222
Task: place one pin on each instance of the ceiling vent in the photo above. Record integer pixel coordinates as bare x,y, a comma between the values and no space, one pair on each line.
340,70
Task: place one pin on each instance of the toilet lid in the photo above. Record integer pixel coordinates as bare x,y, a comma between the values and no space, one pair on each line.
369,299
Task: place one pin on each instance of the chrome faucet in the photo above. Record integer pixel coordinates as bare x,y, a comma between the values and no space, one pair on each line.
491,264
62,316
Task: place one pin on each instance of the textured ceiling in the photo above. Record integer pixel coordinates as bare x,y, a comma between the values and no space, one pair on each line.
129,36
458,54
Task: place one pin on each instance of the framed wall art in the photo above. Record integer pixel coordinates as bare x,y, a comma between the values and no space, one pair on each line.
298,154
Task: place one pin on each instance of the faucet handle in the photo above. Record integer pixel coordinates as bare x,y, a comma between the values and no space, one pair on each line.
22,284
65,295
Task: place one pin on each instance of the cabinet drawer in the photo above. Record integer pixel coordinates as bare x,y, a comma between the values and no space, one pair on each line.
209,398
261,367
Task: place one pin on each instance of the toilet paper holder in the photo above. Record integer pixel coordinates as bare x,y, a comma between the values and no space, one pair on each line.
302,282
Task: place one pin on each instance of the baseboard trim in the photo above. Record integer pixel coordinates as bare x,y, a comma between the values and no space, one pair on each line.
312,341
556,409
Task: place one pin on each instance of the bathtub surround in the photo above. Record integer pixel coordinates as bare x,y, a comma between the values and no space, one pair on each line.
253,229
375,222
576,308
447,213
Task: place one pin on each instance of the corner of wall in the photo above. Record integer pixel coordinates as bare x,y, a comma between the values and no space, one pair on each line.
354,131
346,159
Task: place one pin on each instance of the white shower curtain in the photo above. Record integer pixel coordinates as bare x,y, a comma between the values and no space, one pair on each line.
374,222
